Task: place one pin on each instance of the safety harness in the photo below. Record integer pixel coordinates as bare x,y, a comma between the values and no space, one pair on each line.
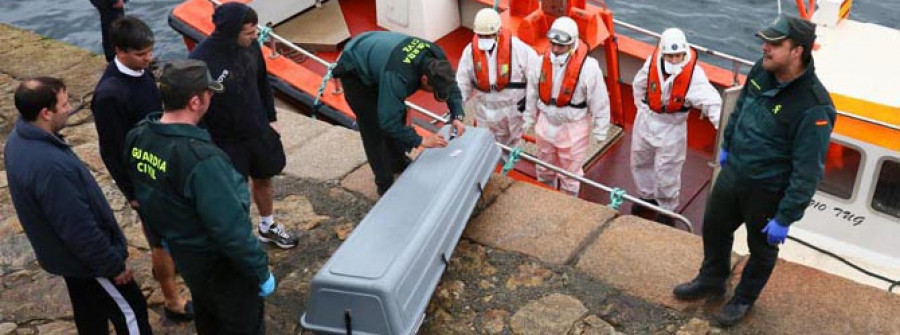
504,65
680,86
570,78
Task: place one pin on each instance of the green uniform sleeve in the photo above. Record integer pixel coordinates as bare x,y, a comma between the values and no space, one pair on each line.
392,111
213,187
454,102
811,139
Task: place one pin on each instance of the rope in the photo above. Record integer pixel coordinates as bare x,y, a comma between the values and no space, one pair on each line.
264,33
318,103
893,283
615,198
511,160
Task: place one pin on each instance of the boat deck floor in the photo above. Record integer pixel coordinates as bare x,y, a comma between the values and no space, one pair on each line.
613,168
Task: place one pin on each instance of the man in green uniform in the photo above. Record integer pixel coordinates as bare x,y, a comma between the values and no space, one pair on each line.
192,196
772,159
378,71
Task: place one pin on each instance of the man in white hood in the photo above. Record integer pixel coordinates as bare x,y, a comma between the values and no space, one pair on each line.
493,70
666,88
567,92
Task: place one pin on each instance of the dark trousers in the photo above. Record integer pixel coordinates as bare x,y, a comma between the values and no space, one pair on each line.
732,202
226,301
95,301
107,16
386,156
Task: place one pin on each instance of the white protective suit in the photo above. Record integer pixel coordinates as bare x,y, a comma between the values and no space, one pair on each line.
564,133
497,111
659,141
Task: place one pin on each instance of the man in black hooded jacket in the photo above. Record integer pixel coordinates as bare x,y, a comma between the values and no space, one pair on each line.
242,121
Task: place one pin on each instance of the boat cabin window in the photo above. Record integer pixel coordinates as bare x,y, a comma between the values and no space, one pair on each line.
887,189
841,168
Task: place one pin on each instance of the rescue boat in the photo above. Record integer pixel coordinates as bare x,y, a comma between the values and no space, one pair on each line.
855,213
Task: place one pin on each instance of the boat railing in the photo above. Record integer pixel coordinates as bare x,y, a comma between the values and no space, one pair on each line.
581,179
737,63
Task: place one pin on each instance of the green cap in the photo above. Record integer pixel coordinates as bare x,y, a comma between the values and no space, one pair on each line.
799,30
187,76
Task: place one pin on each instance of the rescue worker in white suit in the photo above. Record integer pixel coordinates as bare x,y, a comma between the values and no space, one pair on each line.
567,104
493,71
665,89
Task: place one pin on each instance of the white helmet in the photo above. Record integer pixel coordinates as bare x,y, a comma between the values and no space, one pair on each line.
564,31
487,22
673,41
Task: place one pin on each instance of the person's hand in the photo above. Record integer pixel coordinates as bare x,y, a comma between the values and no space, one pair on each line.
723,157
119,4
274,125
124,277
776,233
434,141
460,127
266,288
134,204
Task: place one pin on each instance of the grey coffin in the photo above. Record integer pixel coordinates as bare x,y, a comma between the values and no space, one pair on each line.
382,277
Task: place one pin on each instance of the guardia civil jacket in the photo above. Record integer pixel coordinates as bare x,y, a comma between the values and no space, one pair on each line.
778,135
191,195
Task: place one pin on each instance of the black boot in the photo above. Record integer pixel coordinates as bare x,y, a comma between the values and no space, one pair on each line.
732,313
643,211
694,290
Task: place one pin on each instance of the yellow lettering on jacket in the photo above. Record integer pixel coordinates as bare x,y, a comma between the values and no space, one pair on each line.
148,163
413,49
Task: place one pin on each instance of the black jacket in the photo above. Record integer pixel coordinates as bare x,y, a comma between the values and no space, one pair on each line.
120,102
247,106
61,207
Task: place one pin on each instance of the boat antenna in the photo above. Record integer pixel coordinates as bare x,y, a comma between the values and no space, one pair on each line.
779,7
497,4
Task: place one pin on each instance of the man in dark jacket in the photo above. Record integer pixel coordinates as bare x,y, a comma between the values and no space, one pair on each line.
192,196
109,10
242,121
124,96
65,216
378,71
772,158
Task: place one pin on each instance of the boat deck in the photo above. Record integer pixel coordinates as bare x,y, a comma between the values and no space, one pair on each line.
611,168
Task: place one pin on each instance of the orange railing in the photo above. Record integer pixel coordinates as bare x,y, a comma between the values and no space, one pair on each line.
806,12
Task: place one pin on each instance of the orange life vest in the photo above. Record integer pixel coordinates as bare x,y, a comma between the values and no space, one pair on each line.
504,63
679,87
570,78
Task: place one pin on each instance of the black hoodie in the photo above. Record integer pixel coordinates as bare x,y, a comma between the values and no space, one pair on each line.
247,105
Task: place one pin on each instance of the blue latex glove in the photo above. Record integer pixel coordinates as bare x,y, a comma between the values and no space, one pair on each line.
723,157
776,232
265,289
